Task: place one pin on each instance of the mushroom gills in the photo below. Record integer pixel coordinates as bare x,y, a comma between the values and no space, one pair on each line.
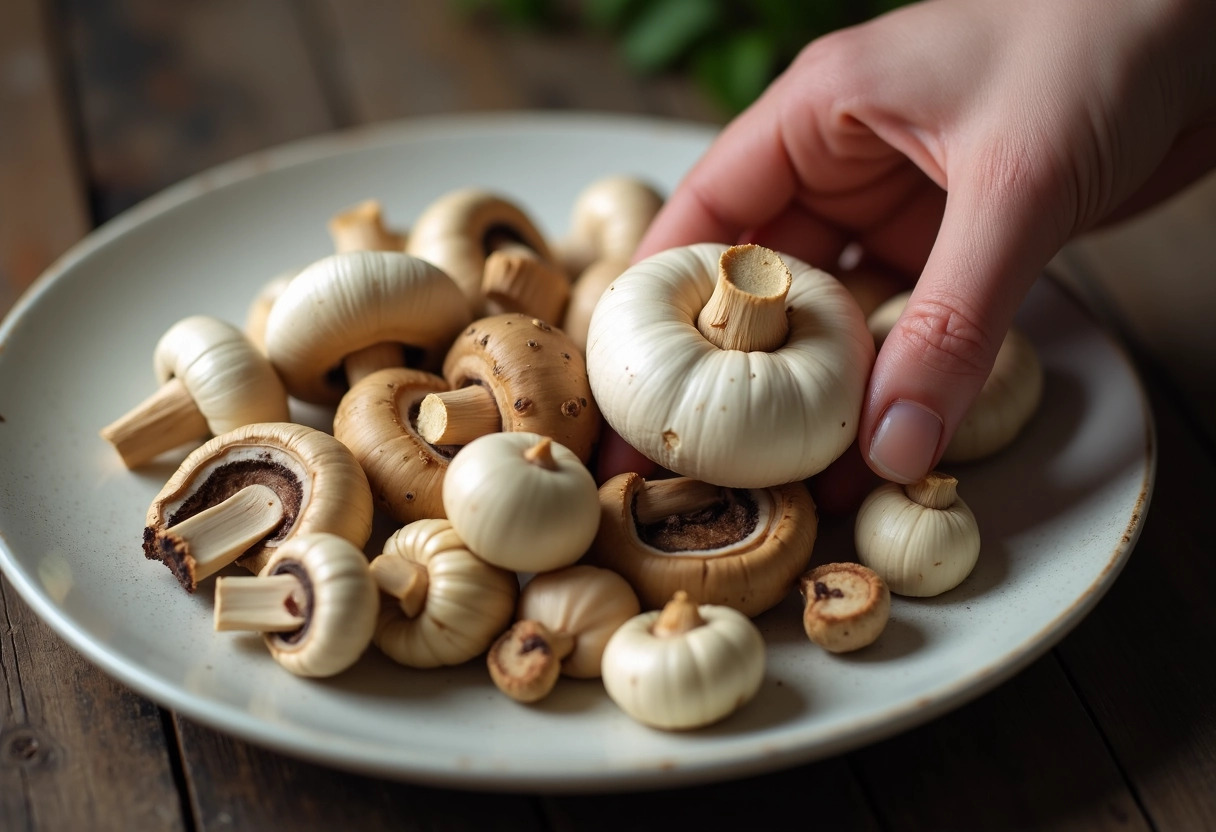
725,517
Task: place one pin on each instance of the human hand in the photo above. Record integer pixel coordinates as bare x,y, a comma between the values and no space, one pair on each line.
961,142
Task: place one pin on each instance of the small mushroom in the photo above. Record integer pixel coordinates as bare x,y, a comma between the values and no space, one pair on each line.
314,602
733,365
565,619
212,379
260,306
845,606
448,605
375,419
348,315
521,501
609,218
922,539
458,231
1009,398
586,292
361,228
739,548
242,494
513,373
685,666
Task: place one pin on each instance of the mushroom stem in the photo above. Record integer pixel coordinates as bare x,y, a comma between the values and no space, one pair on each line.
166,419
457,417
516,279
659,499
541,454
526,660
678,617
747,308
362,363
403,579
205,543
936,490
270,604
361,228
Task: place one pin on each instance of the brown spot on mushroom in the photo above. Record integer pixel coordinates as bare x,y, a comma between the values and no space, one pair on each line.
522,404
533,345
671,440
410,496
571,408
566,355
822,591
485,339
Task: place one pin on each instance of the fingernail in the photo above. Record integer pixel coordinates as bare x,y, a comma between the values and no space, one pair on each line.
905,442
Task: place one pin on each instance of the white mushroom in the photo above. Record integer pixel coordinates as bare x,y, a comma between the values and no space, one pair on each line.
609,218
845,606
314,603
260,306
212,379
726,365
361,228
585,294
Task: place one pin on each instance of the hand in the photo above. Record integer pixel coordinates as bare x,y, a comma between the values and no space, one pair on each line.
962,142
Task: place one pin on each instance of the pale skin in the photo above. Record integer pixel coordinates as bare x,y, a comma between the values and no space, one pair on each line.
960,143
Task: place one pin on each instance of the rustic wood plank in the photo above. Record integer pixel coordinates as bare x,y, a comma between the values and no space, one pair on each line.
1025,756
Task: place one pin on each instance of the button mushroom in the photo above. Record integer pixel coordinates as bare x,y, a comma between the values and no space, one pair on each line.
521,501
259,308
361,228
922,539
739,548
685,666
608,219
212,379
242,494
448,604
1009,398
314,603
586,292
845,606
749,380
375,419
348,315
513,373
565,619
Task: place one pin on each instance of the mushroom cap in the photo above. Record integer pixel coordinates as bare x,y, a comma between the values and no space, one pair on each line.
846,606
341,609
728,417
537,375
752,573
469,602
375,420
609,218
586,602
259,308
457,232
346,302
319,481
586,292
230,380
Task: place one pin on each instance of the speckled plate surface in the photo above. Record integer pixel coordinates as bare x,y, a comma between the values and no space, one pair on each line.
1060,511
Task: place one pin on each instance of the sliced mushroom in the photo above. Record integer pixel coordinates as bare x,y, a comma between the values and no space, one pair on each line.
348,315
361,228
448,605
212,379
517,374
845,606
609,218
314,602
246,492
739,548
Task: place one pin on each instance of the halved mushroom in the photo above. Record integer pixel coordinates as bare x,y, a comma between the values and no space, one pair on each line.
375,419
314,602
361,228
609,218
212,379
845,606
348,315
516,374
730,364
448,605
739,548
246,492
564,620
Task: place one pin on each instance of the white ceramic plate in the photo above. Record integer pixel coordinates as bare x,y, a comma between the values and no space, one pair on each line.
1060,511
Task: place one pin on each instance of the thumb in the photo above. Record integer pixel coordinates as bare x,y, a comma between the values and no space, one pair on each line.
994,240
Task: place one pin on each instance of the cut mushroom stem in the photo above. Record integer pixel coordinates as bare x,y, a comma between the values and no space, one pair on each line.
516,279
747,308
362,363
457,417
361,228
847,606
541,454
526,660
205,543
679,616
403,579
166,419
270,604
659,499
936,490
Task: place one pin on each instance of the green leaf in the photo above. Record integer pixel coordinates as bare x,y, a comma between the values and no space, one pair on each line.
736,70
610,15
666,31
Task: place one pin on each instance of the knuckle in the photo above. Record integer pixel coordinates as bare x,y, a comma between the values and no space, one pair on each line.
945,340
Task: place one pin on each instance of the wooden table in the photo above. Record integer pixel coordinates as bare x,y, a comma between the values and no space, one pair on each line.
104,103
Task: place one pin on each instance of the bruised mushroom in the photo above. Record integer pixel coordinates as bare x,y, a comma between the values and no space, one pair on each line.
375,419
845,606
314,603
244,493
752,380
447,605
361,228
348,315
685,666
521,501
212,379
513,373
565,619
739,548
